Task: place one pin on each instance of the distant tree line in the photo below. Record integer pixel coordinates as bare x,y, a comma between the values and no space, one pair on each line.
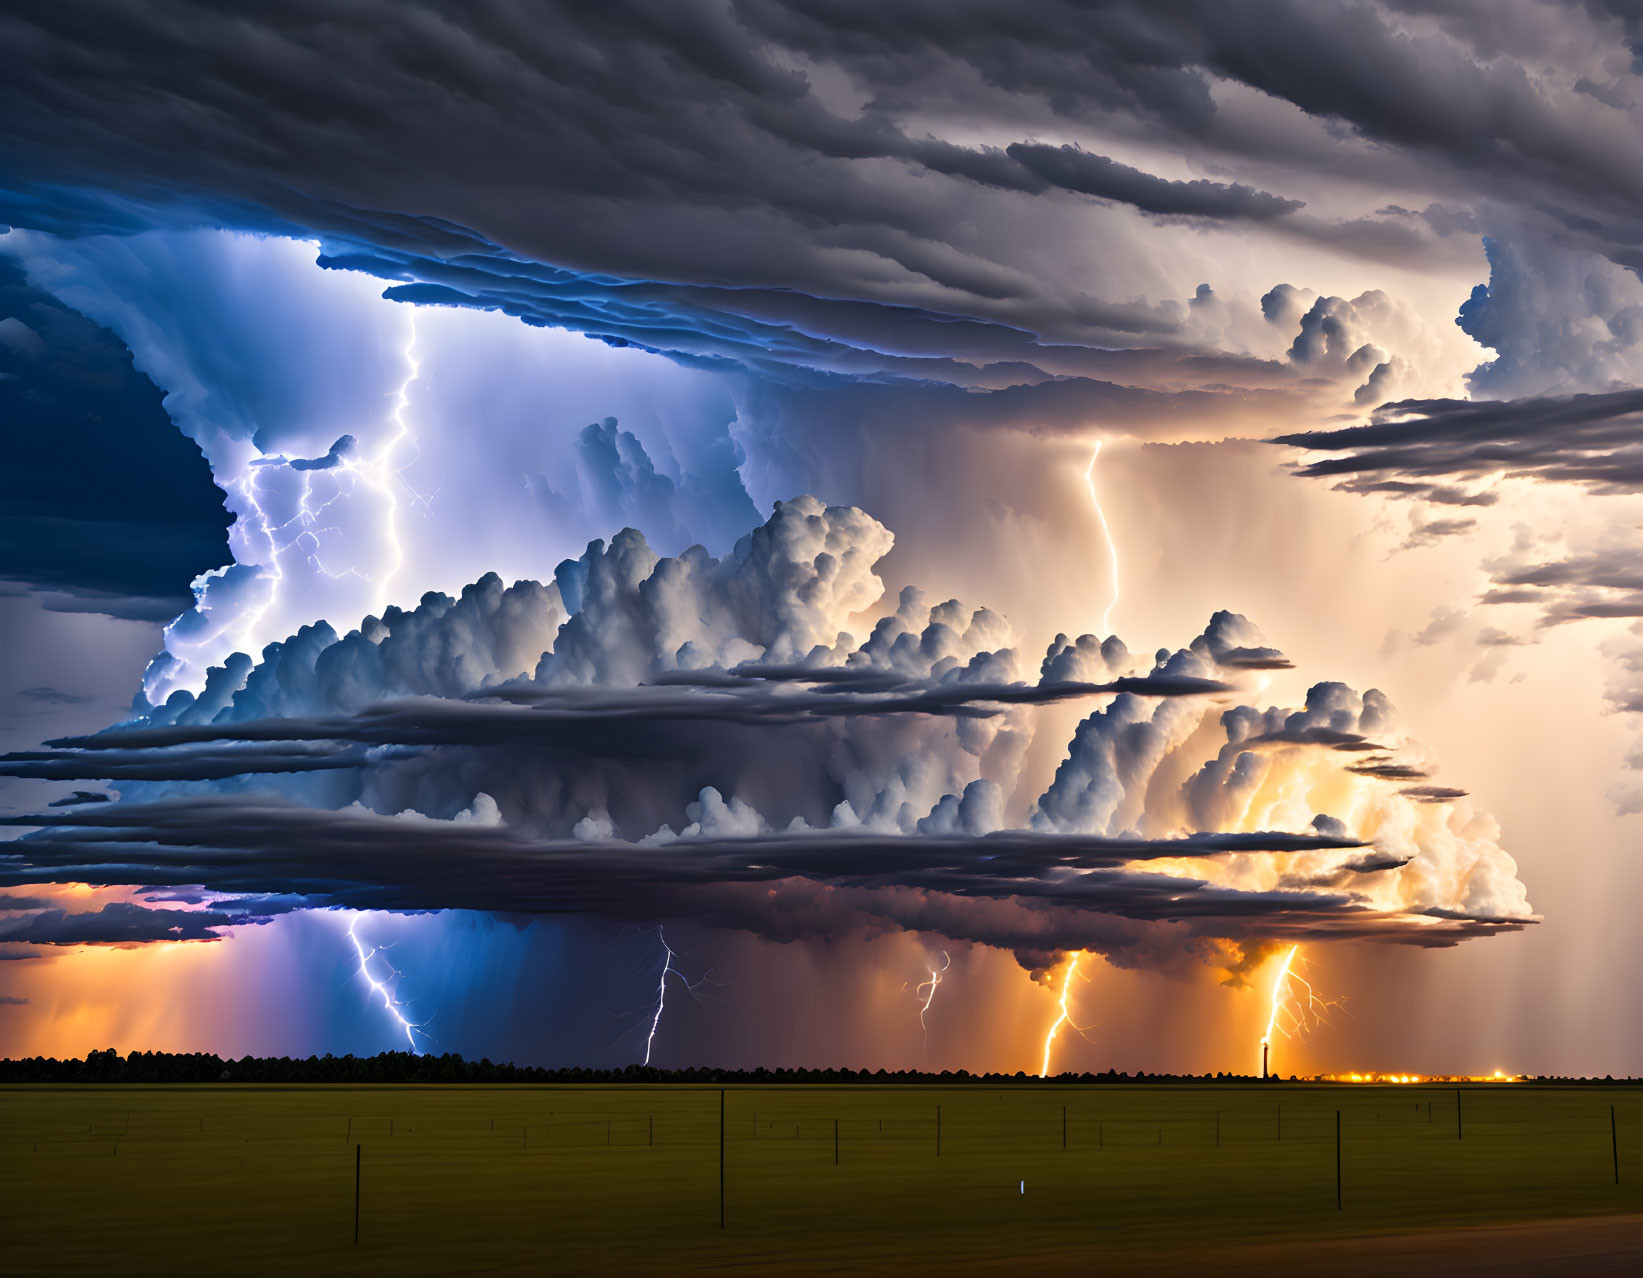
403,1067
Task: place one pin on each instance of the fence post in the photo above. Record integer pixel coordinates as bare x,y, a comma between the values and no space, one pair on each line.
938,1131
1458,1135
1337,1160
835,1142
356,1195
721,1158
1217,1129
1063,1127
1614,1144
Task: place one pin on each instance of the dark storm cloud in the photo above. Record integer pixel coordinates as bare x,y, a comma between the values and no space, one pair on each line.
175,764
684,174
1254,659
360,859
79,797
11,1000
1607,582
1317,735
11,902
1387,769
1433,793
1429,449
104,507
55,696
1437,494
1424,448
352,123
1451,98
601,721
119,922
1035,167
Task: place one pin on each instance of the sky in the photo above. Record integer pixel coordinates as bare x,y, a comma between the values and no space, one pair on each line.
740,532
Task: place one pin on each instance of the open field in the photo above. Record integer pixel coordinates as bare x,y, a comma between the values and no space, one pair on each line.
626,1178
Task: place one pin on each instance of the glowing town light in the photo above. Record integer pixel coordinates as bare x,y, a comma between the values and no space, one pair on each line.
1065,1017
1499,1076
929,989
391,1004
1106,531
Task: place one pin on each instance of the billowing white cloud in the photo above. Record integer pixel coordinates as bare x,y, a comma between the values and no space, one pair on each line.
718,715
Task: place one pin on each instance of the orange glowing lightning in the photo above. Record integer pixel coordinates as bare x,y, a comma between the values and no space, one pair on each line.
1064,1018
1302,1011
930,985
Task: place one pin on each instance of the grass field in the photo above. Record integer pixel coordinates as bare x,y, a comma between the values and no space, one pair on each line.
130,1179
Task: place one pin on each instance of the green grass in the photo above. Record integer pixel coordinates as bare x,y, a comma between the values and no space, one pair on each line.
129,1179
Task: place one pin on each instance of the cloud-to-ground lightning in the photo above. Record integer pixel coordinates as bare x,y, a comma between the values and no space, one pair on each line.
1286,1015
390,1003
1106,531
1066,1016
928,989
668,969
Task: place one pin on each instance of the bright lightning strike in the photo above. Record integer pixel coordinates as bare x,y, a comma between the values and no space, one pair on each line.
668,969
264,540
382,475
928,989
385,988
1106,531
1066,1017
1290,1014
661,994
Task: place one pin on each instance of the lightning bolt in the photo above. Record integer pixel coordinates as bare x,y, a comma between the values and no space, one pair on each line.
385,988
383,474
668,969
1291,1015
1066,1016
929,997
266,540
1106,531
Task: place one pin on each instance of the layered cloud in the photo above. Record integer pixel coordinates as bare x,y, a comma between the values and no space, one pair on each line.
810,231
1567,331
604,745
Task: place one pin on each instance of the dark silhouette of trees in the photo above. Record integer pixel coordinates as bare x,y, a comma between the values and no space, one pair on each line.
109,1066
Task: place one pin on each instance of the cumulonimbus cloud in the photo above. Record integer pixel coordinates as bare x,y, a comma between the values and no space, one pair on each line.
432,759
